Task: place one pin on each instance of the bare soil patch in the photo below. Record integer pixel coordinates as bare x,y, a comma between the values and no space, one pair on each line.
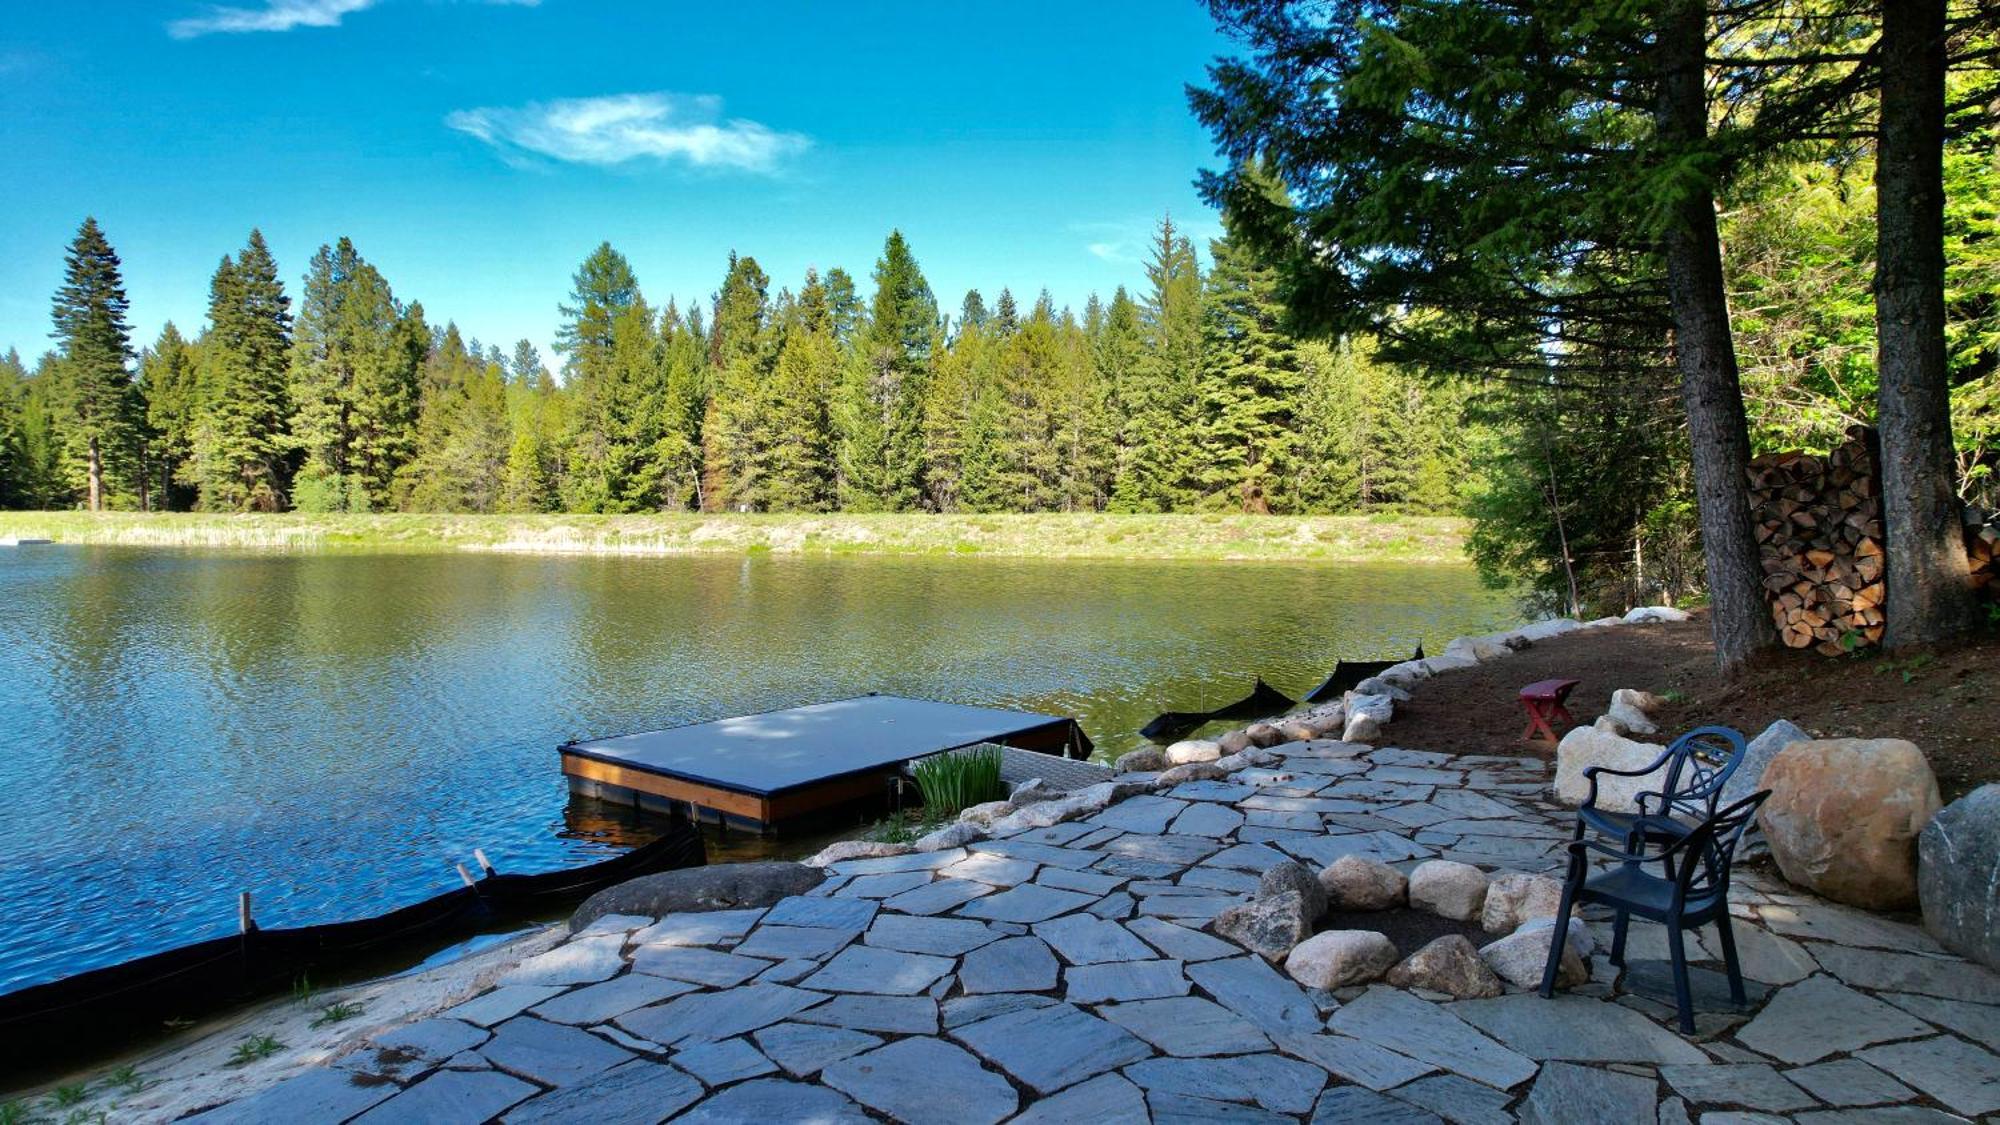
1410,929
1946,701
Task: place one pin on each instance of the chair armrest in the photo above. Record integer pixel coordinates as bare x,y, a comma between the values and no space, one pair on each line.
1591,773
1577,848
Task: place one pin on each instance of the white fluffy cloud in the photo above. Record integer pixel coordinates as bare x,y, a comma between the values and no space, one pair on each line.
619,128
283,15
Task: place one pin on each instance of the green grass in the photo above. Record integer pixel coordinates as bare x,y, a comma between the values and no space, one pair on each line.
253,1048
1382,536
337,1012
959,780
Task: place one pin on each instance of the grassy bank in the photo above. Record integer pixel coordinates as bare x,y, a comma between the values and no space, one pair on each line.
1381,537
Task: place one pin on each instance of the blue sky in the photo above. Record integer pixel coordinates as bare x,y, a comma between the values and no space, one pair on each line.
475,150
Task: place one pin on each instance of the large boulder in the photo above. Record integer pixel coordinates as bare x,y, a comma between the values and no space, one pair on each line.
1628,713
957,834
1298,878
1235,742
857,849
1326,724
1362,728
1296,730
1147,759
1449,965
1554,627
1355,882
1516,897
1749,775
1268,927
1584,747
1338,958
1376,685
1193,750
1844,815
1489,647
1520,957
1655,614
1958,875
1448,889
725,886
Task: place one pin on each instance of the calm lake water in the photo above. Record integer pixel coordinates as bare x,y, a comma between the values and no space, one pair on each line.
333,732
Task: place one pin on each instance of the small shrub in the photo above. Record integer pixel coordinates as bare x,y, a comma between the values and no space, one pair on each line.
62,1097
254,1048
960,779
126,1078
336,1013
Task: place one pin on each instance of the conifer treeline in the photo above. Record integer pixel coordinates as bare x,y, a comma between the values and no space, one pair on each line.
823,398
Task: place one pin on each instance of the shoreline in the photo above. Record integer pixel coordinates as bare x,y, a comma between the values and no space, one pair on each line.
1381,537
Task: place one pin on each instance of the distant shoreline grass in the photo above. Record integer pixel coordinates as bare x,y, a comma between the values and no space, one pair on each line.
1383,537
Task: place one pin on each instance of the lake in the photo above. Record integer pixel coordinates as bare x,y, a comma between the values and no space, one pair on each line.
332,732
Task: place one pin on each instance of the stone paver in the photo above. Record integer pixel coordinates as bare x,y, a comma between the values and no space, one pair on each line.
1066,973
924,1079
1050,1048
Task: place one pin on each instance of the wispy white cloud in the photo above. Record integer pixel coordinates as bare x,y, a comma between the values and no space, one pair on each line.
284,15
619,128
1110,252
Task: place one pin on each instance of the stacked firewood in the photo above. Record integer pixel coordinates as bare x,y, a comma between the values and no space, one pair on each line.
1819,532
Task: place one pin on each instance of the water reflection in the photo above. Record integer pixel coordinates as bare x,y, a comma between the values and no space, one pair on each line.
333,733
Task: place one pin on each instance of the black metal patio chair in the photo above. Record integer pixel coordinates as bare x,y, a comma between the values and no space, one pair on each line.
1693,770
1696,896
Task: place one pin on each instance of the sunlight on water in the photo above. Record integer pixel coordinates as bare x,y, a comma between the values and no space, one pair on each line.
333,732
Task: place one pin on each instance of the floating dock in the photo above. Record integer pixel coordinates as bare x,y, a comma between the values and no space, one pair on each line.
762,770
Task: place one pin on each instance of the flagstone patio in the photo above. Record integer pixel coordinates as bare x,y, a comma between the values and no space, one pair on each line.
1061,974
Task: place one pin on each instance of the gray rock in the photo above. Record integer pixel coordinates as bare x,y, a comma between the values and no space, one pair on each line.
1401,1022
1354,1060
1206,818
1124,980
1017,964
938,896
1255,991
1187,1026
1268,926
864,968
1349,1105
842,850
1958,875
1148,814
1949,1069
962,1010
1576,1029
828,913
1447,889
1295,877
702,1016
639,1092
1977,1022
708,928
503,1003
1086,940
1337,958
1818,1017
775,1099
1108,1098
1272,1081
786,943
693,963
1514,897
1179,942
802,1049
320,1094
1566,1093
611,999
1029,902
1764,956
1449,965
955,835
946,937
893,1015
718,1064
1050,1048
725,886
1849,1082
1356,882
1757,755
1458,1100
550,1053
1522,957
922,1080
885,885
1752,1085
1034,791
578,961
448,1097
433,1039
1144,760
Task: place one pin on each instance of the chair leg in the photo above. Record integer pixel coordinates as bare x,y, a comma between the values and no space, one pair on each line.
1683,996
1618,928
1728,936
1558,939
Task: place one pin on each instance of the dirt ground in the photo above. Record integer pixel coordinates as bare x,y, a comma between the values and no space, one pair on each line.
1947,702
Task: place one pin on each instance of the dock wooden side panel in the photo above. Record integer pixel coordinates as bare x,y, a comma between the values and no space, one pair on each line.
735,804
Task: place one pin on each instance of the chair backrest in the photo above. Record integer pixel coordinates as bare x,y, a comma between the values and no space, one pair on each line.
1699,764
1711,848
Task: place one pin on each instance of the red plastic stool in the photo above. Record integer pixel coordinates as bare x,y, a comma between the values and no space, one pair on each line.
1543,701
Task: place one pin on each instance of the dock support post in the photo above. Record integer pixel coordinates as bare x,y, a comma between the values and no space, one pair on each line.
244,923
464,874
485,865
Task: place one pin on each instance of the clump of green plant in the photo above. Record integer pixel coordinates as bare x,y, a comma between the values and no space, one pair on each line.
126,1078
13,1113
335,1013
303,991
254,1048
901,827
1909,668
960,779
62,1097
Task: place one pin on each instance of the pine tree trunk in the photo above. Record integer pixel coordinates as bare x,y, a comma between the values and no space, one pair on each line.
1929,590
94,471
1719,437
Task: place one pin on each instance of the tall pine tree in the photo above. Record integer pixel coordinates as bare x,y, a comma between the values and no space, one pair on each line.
100,412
